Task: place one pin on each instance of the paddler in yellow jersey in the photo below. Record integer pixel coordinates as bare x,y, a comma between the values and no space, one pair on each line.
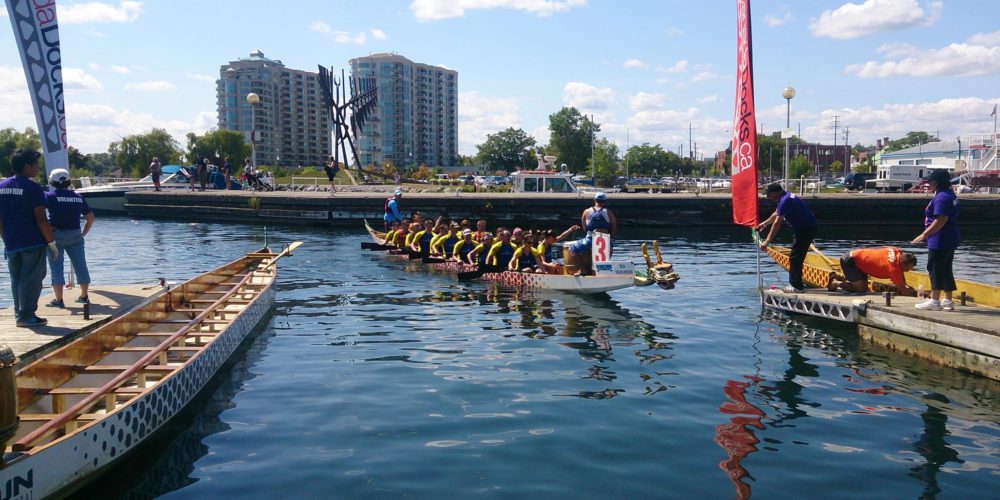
415,228
463,247
478,254
443,244
501,252
526,257
391,235
399,237
421,240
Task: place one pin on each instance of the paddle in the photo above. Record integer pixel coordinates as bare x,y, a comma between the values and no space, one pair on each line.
375,246
828,260
478,273
433,260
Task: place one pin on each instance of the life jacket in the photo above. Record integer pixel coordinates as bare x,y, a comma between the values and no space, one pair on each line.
425,242
526,259
504,254
465,249
598,219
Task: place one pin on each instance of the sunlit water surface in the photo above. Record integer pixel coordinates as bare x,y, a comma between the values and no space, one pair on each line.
373,378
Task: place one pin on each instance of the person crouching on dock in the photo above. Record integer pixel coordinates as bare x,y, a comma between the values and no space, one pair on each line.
883,263
794,211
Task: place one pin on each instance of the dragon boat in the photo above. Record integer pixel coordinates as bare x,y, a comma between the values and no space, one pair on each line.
75,412
818,270
609,275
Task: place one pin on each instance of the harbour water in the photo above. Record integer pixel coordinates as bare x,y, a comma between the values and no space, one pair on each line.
374,379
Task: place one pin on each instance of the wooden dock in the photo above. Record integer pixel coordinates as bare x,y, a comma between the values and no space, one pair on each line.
967,338
66,324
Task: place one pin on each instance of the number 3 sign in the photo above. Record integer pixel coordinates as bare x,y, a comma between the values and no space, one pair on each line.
601,248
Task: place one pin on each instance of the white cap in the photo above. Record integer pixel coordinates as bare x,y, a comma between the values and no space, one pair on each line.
59,176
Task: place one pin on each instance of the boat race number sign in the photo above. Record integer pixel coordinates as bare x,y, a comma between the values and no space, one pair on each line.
744,124
37,34
601,247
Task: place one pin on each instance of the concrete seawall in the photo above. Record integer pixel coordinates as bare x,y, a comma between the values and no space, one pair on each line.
350,209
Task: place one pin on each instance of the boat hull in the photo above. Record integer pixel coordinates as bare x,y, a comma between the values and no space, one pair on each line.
64,464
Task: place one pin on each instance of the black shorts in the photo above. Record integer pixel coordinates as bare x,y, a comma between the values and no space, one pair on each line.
939,266
851,271
330,173
156,176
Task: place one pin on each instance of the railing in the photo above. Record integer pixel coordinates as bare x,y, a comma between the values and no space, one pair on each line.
313,181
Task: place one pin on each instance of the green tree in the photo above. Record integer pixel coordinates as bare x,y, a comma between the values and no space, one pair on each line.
646,159
570,138
800,166
911,139
216,145
100,162
606,159
506,150
133,153
11,140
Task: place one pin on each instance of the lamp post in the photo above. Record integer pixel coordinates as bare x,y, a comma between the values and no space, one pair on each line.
253,99
788,94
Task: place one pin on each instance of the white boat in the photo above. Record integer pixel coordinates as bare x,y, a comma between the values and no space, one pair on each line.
85,406
110,197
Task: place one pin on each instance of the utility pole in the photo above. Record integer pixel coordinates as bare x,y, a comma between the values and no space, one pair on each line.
836,122
847,142
690,142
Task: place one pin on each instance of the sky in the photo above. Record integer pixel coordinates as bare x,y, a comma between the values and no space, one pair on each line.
647,70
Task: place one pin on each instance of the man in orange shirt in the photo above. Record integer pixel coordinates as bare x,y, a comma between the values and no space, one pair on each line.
883,263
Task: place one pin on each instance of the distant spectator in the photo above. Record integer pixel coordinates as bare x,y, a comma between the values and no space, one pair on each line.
202,172
26,235
155,171
331,172
227,170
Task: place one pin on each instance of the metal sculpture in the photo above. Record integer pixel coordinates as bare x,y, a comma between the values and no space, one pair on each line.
361,104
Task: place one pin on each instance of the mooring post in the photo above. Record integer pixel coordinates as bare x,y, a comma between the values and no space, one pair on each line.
888,298
963,297
86,312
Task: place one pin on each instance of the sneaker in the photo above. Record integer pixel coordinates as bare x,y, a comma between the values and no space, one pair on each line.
947,305
929,305
83,300
56,303
792,289
32,322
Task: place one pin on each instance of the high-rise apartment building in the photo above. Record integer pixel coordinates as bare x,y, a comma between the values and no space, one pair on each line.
293,126
417,118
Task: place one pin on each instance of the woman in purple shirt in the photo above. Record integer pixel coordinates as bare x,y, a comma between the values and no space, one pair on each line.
941,235
65,208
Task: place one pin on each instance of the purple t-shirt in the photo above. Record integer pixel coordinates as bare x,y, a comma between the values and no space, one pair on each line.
944,203
795,211
65,208
19,196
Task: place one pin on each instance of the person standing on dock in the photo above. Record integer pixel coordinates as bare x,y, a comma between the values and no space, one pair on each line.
392,213
793,210
331,173
65,208
227,171
155,171
26,235
202,172
883,263
942,237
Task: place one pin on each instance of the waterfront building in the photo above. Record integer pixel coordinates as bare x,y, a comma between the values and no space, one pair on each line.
822,157
293,126
417,118
975,152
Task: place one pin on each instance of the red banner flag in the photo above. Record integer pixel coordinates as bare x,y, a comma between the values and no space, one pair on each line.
744,176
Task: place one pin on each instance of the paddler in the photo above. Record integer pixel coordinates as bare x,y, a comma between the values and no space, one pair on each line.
480,230
421,241
443,244
597,218
551,256
478,254
501,252
526,257
462,248
391,235
884,263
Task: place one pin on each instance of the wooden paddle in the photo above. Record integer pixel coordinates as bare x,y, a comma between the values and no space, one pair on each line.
478,273
433,260
375,246
829,262
284,253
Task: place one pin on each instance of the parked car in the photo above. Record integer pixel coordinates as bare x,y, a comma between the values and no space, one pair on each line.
856,180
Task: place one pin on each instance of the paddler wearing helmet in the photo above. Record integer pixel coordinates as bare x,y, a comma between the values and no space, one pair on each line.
65,209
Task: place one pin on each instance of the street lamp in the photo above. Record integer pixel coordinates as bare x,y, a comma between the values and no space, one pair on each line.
788,94
253,99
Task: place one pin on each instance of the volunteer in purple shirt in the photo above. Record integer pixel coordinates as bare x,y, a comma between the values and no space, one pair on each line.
794,211
65,208
941,235
26,236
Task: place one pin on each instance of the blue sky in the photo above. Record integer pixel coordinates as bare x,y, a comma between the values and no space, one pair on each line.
642,68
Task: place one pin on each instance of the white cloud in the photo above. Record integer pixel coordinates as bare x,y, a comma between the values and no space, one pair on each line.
91,127
94,66
100,12
320,27
773,20
979,56
430,10
78,79
709,98
646,101
150,86
480,115
673,32
96,34
853,20
587,97
378,34
3,11
121,70
702,76
345,37
633,63
200,77
678,67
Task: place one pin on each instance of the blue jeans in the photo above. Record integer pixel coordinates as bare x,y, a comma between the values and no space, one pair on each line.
27,270
71,242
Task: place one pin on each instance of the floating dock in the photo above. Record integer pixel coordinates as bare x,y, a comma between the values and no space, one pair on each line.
967,338
67,324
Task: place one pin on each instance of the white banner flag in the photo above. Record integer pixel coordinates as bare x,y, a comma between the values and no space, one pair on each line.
37,34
